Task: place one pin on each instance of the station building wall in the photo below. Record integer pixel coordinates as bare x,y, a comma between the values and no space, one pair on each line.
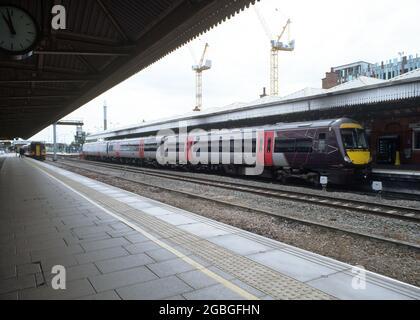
398,134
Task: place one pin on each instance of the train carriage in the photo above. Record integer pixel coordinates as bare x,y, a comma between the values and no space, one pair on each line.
334,148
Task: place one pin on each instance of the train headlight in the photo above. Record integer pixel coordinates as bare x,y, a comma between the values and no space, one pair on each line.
347,159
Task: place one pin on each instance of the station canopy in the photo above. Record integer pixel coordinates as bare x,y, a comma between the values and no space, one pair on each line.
104,43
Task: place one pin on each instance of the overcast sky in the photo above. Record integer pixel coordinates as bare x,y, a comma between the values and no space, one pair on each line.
327,33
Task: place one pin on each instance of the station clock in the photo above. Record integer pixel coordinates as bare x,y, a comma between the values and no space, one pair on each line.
19,32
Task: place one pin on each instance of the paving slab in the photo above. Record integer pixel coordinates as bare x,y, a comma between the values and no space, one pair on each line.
103,244
197,279
203,230
122,278
107,295
141,247
153,290
239,245
74,289
101,254
341,285
293,266
160,254
216,292
121,263
170,267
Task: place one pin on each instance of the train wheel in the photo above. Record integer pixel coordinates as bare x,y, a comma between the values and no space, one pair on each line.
281,176
313,178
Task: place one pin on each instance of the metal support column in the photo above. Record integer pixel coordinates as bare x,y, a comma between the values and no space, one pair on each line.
55,140
105,118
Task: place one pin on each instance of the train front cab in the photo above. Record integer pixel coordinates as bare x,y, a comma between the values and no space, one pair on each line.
356,154
37,150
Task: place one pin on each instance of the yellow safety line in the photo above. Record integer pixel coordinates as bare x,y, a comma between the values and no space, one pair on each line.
185,258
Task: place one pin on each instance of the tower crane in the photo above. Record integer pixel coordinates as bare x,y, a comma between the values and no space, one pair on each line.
276,46
199,68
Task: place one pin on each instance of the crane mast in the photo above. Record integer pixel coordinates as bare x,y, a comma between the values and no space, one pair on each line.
198,79
276,46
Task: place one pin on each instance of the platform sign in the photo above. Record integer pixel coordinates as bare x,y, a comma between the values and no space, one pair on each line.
377,185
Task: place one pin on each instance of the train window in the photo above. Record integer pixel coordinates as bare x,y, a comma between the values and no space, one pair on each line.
354,138
111,148
284,145
269,145
150,147
127,147
304,145
248,143
321,142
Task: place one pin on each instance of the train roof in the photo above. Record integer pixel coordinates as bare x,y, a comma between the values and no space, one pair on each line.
278,126
314,124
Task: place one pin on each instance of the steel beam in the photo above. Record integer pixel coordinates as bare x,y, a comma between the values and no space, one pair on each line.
81,53
70,123
36,97
46,80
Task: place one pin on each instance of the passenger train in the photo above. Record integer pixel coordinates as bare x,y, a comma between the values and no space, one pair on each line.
335,148
35,150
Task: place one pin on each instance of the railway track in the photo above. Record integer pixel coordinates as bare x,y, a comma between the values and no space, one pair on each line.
391,211
248,208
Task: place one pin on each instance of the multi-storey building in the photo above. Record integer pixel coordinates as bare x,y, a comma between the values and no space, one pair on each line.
384,70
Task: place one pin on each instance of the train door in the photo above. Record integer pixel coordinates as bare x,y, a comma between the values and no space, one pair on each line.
141,149
117,150
321,160
259,147
188,150
268,148
37,150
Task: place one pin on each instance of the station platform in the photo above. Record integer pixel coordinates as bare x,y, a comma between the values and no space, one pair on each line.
402,179
118,245
405,172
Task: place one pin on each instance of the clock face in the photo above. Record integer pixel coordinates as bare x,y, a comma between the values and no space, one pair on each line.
18,31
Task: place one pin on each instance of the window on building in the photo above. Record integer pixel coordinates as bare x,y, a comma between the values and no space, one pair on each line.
416,139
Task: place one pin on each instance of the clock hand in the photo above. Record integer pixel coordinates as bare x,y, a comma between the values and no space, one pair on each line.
8,23
12,29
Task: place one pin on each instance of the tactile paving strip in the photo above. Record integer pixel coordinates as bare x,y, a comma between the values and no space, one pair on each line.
248,271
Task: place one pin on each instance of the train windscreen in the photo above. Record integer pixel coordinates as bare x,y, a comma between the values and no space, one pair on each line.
354,138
